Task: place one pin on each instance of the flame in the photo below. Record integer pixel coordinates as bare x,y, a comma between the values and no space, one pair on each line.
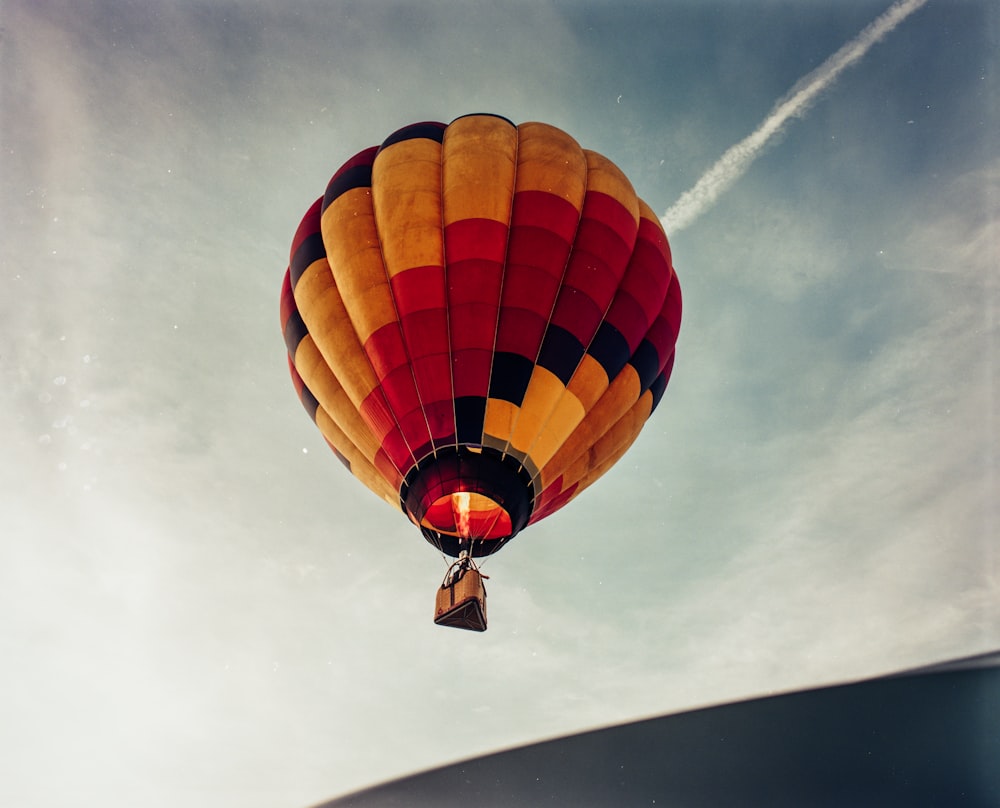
460,507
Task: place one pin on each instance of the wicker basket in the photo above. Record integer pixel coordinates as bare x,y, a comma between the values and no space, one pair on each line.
461,600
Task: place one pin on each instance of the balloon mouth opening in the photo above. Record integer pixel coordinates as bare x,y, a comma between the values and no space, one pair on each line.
469,516
468,498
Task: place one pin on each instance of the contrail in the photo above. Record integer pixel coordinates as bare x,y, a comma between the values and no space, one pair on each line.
737,159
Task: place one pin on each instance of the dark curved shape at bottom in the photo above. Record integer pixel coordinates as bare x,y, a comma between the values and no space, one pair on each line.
921,739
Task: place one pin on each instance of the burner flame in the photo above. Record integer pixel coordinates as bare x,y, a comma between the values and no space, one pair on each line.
461,502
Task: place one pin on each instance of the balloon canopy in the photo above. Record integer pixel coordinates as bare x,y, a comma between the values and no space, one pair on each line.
480,317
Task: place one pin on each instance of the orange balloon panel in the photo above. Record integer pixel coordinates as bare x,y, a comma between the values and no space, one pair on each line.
480,317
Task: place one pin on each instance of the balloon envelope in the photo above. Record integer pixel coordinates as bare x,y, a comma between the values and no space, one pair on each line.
480,317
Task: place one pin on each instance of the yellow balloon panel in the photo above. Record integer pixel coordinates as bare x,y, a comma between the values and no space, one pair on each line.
406,185
479,160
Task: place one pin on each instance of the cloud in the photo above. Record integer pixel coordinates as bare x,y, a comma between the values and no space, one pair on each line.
738,158
957,231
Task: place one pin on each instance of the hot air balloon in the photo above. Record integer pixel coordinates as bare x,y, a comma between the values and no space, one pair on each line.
480,317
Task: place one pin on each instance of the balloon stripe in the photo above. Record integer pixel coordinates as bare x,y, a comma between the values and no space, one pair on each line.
510,376
422,306
589,466
309,402
644,286
306,228
292,327
549,192
332,397
354,460
326,402
647,370
470,419
590,381
610,347
474,283
478,174
616,400
425,130
350,254
309,251
349,231
663,333
406,196
355,173
659,385
599,259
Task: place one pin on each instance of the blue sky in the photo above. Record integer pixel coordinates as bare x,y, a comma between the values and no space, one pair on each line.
814,501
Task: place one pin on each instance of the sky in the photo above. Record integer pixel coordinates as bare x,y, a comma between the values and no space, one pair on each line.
198,605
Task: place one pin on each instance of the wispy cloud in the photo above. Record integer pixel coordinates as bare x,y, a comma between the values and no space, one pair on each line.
737,159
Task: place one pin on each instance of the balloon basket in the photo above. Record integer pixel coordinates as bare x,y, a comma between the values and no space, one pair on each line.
461,598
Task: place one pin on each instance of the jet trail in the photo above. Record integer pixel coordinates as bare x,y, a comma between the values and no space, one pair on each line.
737,159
